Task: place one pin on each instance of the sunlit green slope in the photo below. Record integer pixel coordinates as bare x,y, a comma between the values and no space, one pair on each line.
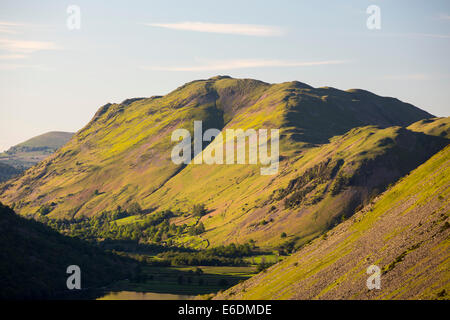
405,232
312,192
434,127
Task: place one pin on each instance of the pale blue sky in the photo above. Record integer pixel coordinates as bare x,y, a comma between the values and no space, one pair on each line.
53,78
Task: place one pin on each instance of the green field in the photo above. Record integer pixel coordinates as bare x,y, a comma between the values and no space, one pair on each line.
184,280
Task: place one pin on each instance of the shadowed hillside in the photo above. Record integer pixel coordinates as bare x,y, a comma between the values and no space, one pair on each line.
7,172
34,259
405,232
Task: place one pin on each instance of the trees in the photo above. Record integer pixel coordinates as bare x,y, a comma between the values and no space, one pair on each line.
199,210
199,229
198,271
153,228
44,209
134,209
219,256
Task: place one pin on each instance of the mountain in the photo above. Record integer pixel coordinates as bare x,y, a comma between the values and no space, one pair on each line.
34,150
338,150
34,259
404,232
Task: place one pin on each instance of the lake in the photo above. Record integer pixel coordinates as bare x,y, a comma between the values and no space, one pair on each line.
133,295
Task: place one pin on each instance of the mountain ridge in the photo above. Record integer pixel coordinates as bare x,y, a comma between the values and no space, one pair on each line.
123,154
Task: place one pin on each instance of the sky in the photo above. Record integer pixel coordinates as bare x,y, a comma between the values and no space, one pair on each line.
54,76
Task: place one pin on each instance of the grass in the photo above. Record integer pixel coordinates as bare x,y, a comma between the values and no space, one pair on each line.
436,127
184,280
267,258
128,220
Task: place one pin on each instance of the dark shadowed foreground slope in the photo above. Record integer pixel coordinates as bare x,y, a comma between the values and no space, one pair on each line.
405,232
34,259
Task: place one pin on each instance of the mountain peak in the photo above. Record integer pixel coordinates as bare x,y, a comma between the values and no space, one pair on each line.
220,77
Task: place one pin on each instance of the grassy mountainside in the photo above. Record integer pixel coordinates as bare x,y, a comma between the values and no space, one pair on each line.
434,127
405,232
34,150
312,192
123,156
34,259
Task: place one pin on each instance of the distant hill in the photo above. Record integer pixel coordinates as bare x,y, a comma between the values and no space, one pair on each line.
405,232
34,150
339,149
50,140
34,259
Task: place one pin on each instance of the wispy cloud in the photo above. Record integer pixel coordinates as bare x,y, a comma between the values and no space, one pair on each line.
414,35
239,29
12,56
241,64
26,46
443,16
12,49
23,66
415,76
9,27
431,35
